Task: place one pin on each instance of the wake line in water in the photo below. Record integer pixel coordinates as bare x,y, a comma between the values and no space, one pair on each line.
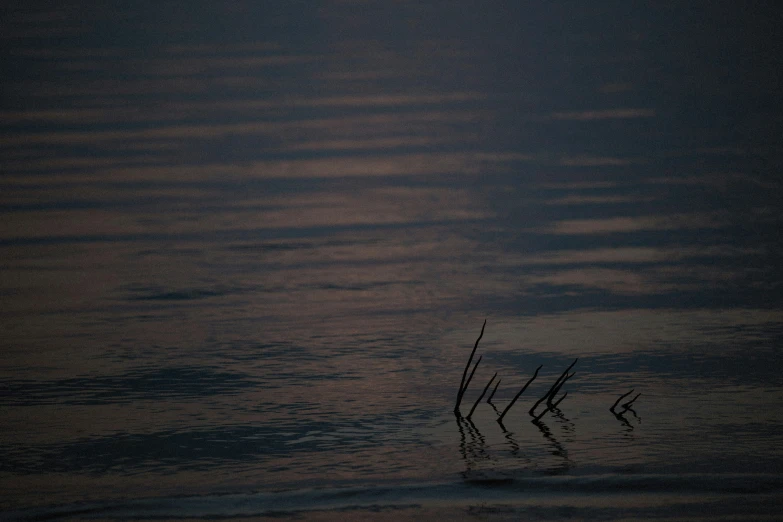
600,491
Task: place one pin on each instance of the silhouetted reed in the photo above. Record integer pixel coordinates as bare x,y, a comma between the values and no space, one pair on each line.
481,396
464,384
519,393
626,406
489,399
549,395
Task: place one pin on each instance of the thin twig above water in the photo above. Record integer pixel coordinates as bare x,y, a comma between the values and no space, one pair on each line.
519,393
481,396
549,395
463,385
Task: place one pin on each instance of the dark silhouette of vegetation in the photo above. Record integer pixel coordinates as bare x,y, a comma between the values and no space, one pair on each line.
489,399
463,384
626,406
551,398
500,419
481,396
554,390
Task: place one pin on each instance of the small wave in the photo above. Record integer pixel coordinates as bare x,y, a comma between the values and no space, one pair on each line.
178,295
597,492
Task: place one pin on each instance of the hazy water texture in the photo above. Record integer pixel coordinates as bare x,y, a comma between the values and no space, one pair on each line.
246,248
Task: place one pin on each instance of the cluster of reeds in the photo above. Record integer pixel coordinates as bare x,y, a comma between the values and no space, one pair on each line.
550,400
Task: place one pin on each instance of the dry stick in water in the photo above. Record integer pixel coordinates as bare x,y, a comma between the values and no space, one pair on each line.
481,396
500,419
473,371
623,396
462,384
554,388
560,400
627,405
554,392
489,400
551,394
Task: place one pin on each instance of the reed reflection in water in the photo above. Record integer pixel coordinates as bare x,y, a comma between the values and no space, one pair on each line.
247,247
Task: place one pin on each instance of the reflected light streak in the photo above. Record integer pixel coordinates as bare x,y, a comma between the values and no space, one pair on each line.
212,65
34,165
593,200
578,185
340,167
634,224
364,207
375,143
609,114
355,124
322,209
384,100
616,281
721,181
182,110
593,161
655,280
631,255
359,76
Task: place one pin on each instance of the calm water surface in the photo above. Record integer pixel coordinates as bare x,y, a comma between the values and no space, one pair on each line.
246,250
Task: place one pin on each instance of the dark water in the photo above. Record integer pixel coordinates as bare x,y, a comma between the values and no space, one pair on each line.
247,247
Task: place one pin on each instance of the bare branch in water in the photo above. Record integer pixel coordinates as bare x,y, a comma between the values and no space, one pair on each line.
463,385
500,419
553,390
489,400
619,415
481,396
623,396
627,405
537,418
560,400
472,372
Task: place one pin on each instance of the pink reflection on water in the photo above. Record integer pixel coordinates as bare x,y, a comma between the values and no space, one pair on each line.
608,114
693,220
630,255
593,161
